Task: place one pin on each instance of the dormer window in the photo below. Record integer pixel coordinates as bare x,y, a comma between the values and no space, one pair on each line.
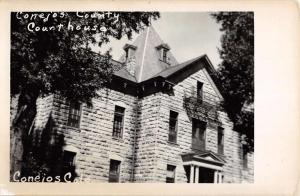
163,51
164,55
129,50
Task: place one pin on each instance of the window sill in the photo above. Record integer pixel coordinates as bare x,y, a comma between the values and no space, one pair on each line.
167,62
198,149
73,128
173,143
118,139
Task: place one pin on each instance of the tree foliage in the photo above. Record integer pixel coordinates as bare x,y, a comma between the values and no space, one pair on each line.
237,69
51,54
61,61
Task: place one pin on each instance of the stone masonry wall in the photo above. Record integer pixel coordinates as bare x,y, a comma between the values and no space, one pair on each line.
146,138
93,141
169,153
95,146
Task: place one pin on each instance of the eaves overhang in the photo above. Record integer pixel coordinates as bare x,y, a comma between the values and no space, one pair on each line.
142,89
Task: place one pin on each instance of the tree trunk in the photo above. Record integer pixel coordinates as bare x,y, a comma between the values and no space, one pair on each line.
19,131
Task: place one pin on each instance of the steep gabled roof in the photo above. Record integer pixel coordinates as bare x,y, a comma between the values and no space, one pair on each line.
123,73
183,70
145,64
171,70
179,72
147,56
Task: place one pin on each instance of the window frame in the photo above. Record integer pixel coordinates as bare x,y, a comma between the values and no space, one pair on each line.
164,55
201,146
71,152
79,115
194,121
65,168
173,170
111,176
200,91
127,53
175,130
118,134
245,158
220,142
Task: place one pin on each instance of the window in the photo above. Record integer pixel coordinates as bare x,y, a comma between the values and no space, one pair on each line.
118,122
220,140
199,91
199,129
114,171
74,114
126,53
164,55
170,173
245,159
198,134
173,126
68,164
68,158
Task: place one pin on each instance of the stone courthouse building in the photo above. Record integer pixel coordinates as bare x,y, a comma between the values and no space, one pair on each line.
157,121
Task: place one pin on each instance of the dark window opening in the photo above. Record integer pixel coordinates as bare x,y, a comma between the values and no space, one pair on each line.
187,170
68,158
114,171
118,122
164,55
68,164
200,91
173,124
220,140
198,134
74,114
245,159
170,174
126,53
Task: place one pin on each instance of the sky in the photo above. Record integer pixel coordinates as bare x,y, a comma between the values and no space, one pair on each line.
189,34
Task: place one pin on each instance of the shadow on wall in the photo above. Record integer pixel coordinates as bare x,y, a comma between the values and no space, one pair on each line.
44,158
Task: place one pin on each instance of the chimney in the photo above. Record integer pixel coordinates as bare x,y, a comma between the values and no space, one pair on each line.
130,58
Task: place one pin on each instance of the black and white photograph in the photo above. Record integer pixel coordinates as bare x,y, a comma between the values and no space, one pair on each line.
132,97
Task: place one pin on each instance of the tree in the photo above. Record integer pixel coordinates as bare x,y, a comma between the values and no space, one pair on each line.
51,54
236,71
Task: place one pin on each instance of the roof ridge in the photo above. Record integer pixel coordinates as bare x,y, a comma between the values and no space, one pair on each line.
143,56
180,64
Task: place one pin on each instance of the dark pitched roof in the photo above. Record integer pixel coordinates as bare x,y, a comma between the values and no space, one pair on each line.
169,71
123,73
171,75
148,66
189,67
147,57
172,70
